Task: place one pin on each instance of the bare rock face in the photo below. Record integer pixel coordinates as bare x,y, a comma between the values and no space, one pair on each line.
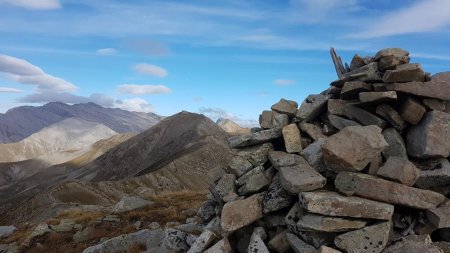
399,170
240,213
430,138
353,148
372,239
362,185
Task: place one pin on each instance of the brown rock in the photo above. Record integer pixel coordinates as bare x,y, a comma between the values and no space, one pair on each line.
432,89
364,117
284,106
412,111
396,146
240,213
340,122
312,107
357,62
439,217
366,73
391,62
314,131
271,119
404,73
409,246
378,96
320,223
353,148
434,104
279,242
386,191
399,170
392,116
397,52
325,249
371,239
255,138
351,90
291,136
337,106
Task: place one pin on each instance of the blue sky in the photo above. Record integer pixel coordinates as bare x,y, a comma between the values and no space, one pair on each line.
230,58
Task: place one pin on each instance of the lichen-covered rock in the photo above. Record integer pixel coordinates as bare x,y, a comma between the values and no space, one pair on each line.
240,213
371,239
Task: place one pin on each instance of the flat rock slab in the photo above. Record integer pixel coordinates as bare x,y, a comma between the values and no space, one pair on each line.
340,122
400,170
240,213
276,197
397,146
372,239
432,89
378,96
435,177
298,245
285,106
334,204
271,119
404,73
412,111
386,191
351,90
392,116
439,217
430,138
222,246
314,131
364,117
291,136
353,148
312,107
313,154
255,138
408,246
6,231
320,223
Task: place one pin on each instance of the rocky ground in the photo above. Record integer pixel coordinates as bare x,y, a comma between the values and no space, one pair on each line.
361,167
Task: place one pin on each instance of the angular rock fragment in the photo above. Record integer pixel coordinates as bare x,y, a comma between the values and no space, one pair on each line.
372,239
337,106
284,106
392,116
391,62
314,131
255,138
254,184
256,155
313,154
412,247
439,217
432,89
226,185
6,231
412,111
351,90
435,176
378,96
281,159
364,117
240,213
319,223
434,104
124,242
271,119
357,62
279,242
276,197
362,185
405,73
366,73
244,178
208,210
291,136
223,246
399,170
298,245
256,244
239,165
325,249
397,52
396,146
431,137
353,148
202,242
340,122
312,107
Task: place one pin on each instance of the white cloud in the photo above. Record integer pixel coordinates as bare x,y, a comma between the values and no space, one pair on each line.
68,98
215,114
284,82
9,90
423,16
134,104
22,71
150,69
34,4
137,89
106,51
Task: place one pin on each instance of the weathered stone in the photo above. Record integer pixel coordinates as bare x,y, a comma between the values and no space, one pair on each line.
174,239
439,217
397,52
337,106
325,249
292,217
6,231
313,154
392,116
223,246
412,111
239,165
399,170
351,90
357,62
372,239
390,192
271,119
341,123
257,155
391,62
432,89
379,86
241,213
319,223
435,176
298,245
38,231
312,107
255,183
128,203
301,177
256,244
244,178
409,246
83,234
284,106
214,174
314,131
396,146
353,148
65,225
214,226
279,242
255,138
202,242
434,104
208,210
378,96
431,137
444,246
291,136
281,159
374,165
364,117
334,204
405,73
121,243
226,185
366,73
276,197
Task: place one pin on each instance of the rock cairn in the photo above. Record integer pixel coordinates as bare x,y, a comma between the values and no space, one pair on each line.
362,167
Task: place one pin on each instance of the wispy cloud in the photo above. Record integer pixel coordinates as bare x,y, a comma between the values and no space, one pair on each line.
9,90
423,16
284,82
142,89
150,69
22,71
215,114
148,47
106,51
431,56
34,4
134,104
318,11
69,98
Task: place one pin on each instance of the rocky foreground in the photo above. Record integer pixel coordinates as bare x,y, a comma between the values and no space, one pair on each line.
361,167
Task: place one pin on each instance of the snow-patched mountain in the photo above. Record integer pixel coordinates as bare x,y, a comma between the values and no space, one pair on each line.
70,135
21,122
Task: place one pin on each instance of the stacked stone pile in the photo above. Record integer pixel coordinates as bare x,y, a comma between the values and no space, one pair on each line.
362,167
